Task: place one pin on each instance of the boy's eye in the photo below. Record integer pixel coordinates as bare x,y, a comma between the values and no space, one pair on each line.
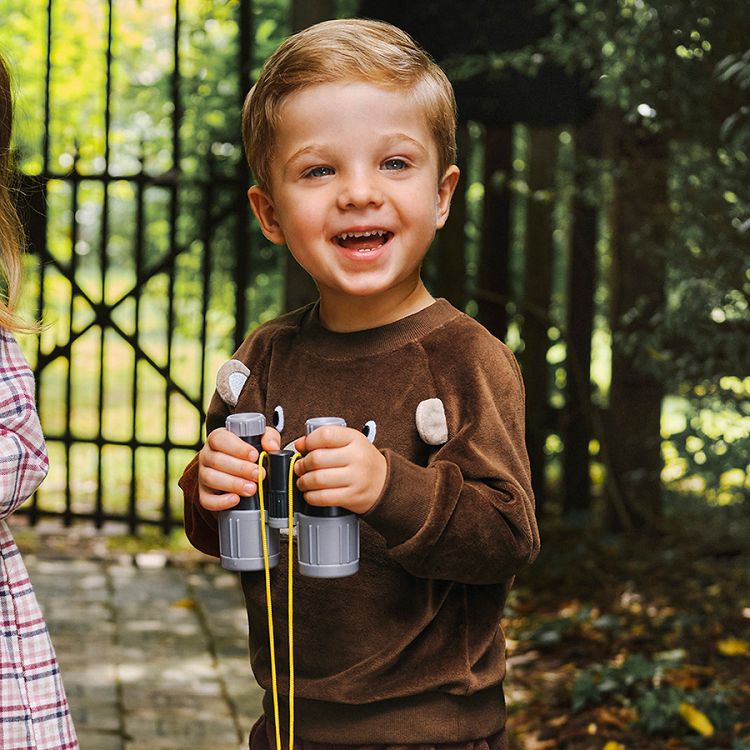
319,172
394,164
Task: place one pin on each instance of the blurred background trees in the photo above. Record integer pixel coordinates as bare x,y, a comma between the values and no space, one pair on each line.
602,229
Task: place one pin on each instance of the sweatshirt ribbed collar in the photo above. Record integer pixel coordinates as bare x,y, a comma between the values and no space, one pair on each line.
387,338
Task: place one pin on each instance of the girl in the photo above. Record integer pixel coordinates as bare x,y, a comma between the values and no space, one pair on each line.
34,713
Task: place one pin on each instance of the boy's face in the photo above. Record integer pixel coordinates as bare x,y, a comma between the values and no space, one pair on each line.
355,191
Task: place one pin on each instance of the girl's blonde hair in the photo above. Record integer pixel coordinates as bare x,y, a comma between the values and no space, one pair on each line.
11,232
347,50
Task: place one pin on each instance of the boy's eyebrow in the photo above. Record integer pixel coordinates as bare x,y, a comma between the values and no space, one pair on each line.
311,148
397,137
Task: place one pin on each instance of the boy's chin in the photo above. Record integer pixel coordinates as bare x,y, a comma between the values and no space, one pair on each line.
375,290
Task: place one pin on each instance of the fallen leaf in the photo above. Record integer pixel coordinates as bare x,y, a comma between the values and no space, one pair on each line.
619,717
683,678
733,647
697,720
612,745
533,742
184,603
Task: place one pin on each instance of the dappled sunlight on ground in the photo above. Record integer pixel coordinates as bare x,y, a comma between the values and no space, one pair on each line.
154,655
643,641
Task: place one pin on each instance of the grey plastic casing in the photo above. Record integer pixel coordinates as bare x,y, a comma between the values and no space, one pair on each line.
241,527
327,539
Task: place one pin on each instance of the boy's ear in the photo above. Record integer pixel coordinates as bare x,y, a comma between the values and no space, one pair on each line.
446,188
265,213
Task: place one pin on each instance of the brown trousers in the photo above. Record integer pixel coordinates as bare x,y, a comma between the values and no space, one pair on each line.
263,737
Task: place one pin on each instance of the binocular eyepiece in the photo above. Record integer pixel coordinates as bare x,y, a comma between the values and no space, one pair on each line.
327,537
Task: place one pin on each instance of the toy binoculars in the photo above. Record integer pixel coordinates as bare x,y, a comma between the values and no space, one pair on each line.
327,537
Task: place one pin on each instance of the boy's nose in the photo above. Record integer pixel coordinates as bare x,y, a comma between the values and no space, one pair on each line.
359,191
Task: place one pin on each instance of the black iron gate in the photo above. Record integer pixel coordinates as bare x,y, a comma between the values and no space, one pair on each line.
144,254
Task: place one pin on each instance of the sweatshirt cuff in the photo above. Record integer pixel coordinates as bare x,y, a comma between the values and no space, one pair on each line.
405,501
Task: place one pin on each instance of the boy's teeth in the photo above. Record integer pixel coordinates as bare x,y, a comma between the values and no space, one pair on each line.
373,233
363,242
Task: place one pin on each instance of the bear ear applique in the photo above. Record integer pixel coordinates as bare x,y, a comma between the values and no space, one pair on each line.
432,425
278,418
230,380
370,430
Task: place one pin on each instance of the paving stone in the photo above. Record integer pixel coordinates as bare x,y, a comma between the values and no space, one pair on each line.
96,716
90,739
153,658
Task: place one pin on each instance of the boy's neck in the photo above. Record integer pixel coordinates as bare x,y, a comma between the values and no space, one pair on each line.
349,314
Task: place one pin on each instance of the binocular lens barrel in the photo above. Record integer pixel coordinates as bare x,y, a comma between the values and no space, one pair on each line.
241,527
327,538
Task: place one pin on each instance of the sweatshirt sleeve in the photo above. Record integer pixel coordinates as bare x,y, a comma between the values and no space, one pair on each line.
467,516
201,525
23,453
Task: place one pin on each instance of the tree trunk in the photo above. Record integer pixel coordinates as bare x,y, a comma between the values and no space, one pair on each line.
537,292
580,320
634,417
493,288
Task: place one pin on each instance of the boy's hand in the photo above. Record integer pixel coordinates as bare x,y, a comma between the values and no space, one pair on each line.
341,467
228,468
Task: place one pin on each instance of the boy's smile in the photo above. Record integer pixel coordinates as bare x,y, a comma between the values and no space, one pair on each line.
364,240
355,194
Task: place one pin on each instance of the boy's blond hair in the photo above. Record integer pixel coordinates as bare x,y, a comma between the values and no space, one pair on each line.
347,50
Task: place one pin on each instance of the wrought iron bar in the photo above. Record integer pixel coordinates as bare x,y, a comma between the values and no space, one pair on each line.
45,168
174,207
243,247
140,214
69,373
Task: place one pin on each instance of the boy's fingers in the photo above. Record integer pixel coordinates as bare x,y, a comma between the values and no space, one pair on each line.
223,441
214,501
324,479
227,464
330,436
321,459
337,496
271,440
211,479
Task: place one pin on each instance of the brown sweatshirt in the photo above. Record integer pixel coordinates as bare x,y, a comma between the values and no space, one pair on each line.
410,648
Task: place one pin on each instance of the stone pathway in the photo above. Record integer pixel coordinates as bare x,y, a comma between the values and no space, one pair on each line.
154,656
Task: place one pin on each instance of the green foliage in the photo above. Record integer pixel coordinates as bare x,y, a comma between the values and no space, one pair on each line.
600,682
142,130
678,73
638,683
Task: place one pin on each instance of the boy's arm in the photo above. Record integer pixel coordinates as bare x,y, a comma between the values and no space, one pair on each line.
467,516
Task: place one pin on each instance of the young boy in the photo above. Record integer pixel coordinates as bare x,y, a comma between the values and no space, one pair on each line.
350,133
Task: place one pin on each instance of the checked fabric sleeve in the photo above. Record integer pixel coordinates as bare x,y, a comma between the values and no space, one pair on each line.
34,712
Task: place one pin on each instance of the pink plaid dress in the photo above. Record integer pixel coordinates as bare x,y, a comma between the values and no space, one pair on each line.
34,713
